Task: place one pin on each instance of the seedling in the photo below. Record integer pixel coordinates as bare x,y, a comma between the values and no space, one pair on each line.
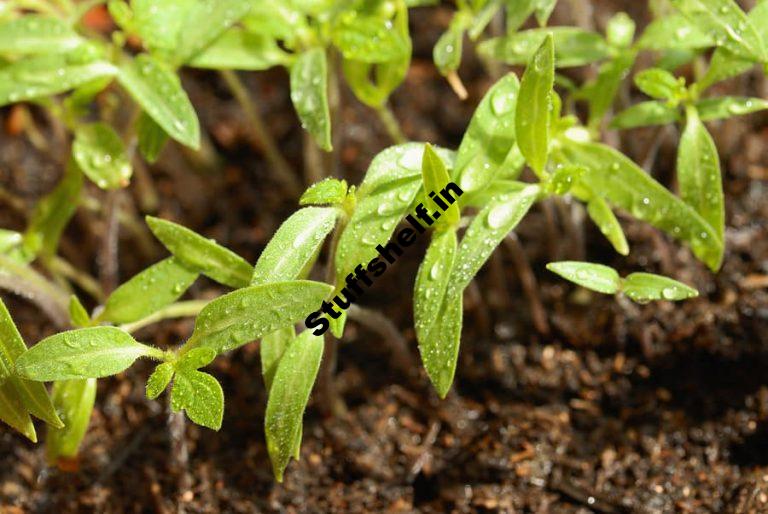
518,123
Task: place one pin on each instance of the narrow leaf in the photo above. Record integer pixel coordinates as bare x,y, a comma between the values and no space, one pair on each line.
77,313
698,173
658,83
369,39
606,221
151,136
488,146
727,106
205,22
330,191
199,253
157,286
32,34
237,49
645,114
271,350
674,32
294,245
532,116
448,49
158,91
13,413
83,353
544,9
586,274
247,314
435,177
309,94
645,287
573,46
288,397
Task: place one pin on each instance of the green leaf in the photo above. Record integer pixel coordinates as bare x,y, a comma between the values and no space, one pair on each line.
278,20
47,75
83,353
491,225
100,153
196,358
644,287
294,245
288,397
448,49
271,349
625,185
199,253
247,314
645,114
205,22
488,146
33,34
32,396
74,399
573,46
731,27
698,173
200,396
149,291
390,187
159,23
53,212
532,117
620,30
9,240
674,32
481,20
241,50
586,274
158,91
725,63
369,39
330,191
13,413
151,136
659,84
728,106
309,94
437,335
435,177
159,379
606,221
601,93
77,313
544,9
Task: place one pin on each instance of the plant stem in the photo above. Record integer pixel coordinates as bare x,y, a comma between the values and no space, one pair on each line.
260,133
175,310
529,283
86,282
391,124
28,283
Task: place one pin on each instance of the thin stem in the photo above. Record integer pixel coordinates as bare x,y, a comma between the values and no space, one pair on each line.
28,283
260,133
530,285
391,125
108,261
85,281
175,310
383,326
314,170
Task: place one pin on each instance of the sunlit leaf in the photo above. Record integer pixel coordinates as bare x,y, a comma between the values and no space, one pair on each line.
448,49
698,173
606,221
205,22
271,350
330,191
159,379
32,34
247,314
435,178
240,50
369,39
532,117
674,32
77,313
573,46
83,353
620,30
659,84
728,106
645,114
645,287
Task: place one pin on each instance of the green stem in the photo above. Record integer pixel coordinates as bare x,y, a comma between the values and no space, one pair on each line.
60,266
175,310
391,124
276,160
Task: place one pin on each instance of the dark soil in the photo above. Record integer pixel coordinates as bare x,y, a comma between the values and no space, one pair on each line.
603,406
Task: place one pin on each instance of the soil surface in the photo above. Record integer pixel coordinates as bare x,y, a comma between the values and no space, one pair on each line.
564,401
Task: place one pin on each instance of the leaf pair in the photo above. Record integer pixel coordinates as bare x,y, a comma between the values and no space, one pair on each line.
639,287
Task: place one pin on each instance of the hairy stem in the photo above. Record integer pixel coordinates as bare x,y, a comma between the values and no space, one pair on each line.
391,125
260,134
